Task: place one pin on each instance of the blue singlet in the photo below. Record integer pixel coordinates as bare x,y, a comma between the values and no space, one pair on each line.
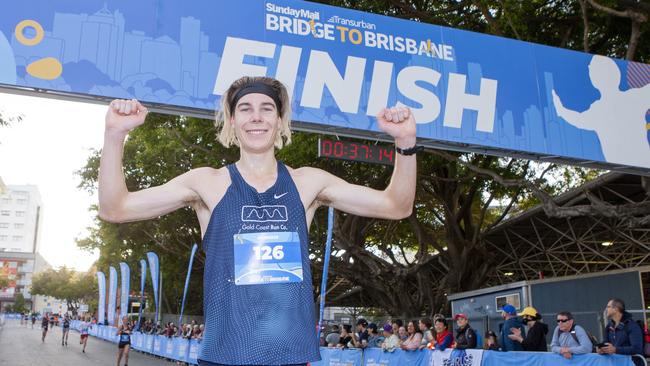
258,299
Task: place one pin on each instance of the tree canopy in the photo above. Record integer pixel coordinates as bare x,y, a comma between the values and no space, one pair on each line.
65,284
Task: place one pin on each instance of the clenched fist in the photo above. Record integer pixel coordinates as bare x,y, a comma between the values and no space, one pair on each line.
398,122
124,115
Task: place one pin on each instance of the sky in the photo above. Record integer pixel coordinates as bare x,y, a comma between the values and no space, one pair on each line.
45,149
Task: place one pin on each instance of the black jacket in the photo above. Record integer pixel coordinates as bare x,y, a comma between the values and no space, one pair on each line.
465,338
535,340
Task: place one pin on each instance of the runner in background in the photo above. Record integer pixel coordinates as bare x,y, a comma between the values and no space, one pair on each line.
44,325
124,345
66,330
85,325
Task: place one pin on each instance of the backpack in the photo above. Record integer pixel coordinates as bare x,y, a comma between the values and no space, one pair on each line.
645,345
591,337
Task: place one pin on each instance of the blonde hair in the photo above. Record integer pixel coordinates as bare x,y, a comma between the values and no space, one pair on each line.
227,135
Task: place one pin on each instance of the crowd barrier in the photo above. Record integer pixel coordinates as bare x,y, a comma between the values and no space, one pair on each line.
180,349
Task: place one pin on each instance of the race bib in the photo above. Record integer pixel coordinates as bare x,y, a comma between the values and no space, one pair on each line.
265,258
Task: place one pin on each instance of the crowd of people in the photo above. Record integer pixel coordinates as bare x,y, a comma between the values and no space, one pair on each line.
524,331
191,330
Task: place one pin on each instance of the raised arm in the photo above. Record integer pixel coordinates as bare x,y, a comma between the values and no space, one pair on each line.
396,201
574,118
116,203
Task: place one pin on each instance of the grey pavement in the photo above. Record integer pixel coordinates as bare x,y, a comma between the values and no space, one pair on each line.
22,346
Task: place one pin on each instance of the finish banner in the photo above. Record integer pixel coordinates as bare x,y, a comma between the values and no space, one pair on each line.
469,91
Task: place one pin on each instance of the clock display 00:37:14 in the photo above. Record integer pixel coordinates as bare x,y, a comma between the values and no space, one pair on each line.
348,150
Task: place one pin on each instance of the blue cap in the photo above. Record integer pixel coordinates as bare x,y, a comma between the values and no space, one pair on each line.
509,309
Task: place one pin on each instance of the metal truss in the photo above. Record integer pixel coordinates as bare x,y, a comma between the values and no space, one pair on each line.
532,245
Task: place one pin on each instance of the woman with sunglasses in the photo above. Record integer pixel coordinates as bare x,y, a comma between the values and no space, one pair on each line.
535,339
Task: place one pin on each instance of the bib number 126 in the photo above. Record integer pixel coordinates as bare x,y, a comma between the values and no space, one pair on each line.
265,252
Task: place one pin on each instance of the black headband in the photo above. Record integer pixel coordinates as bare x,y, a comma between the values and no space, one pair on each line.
260,88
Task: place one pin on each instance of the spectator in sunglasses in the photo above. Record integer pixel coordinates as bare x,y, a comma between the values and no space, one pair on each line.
569,338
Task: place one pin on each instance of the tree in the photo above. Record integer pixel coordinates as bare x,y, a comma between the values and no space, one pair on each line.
4,281
65,284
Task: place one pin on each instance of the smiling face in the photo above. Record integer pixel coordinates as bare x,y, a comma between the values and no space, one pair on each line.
256,122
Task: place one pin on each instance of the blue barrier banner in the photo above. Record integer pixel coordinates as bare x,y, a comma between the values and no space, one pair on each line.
159,343
339,357
101,305
181,349
136,341
148,343
492,358
125,277
168,350
341,67
193,352
379,357
469,357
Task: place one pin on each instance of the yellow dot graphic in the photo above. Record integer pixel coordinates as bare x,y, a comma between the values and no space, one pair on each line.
40,33
47,68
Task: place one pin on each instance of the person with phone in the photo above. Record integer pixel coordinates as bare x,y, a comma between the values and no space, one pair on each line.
622,334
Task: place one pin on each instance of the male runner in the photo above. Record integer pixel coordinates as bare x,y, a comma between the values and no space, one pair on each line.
44,325
254,217
66,330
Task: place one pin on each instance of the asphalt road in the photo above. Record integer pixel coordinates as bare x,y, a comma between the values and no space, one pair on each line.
22,346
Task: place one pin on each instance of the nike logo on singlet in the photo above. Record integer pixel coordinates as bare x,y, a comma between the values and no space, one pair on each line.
277,196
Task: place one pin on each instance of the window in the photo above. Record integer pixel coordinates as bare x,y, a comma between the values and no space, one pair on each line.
512,299
16,226
4,225
17,237
21,193
5,212
6,200
21,201
20,213
3,237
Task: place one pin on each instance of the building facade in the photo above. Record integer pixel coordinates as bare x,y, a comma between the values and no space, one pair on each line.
20,228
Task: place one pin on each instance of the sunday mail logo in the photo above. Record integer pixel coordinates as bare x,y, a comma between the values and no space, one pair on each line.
267,213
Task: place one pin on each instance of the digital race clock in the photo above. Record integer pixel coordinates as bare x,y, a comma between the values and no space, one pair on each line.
348,150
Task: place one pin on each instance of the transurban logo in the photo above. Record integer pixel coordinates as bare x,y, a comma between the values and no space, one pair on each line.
270,213
296,13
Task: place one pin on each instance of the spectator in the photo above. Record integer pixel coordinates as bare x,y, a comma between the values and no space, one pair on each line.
374,338
427,336
402,334
360,338
622,333
444,338
509,314
491,343
346,336
396,324
569,338
465,335
391,340
200,336
332,339
414,338
535,340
